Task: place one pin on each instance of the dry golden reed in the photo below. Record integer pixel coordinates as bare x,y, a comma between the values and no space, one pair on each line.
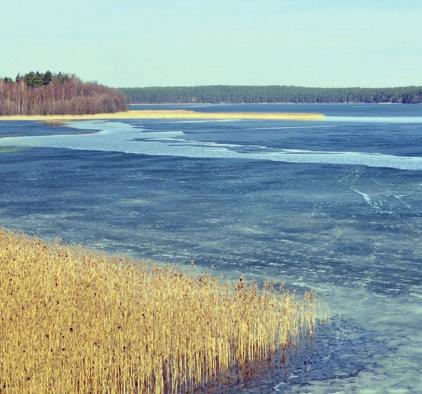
74,321
171,114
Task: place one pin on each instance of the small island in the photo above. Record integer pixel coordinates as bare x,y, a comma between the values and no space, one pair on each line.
37,93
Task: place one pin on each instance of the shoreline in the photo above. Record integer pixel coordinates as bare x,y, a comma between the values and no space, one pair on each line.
274,102
169,114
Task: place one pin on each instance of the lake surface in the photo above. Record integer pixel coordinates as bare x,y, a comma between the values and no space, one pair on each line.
333,205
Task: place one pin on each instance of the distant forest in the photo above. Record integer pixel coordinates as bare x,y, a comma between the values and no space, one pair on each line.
37,93
272,94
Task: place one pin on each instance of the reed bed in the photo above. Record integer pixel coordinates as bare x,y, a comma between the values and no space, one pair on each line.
75,321
171,114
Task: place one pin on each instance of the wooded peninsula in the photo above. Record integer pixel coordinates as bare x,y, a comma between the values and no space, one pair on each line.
46,93
272,94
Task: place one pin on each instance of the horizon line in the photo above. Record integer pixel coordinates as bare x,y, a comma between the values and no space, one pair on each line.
270,85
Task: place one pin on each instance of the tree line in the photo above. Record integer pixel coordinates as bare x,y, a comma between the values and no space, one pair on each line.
272,94
37,93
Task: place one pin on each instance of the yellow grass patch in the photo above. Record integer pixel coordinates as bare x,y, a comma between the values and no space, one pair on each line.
76,321
172,114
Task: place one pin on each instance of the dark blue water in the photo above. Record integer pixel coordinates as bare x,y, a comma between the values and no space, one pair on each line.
334,205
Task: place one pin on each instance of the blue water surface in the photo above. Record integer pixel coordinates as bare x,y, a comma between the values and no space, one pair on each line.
333,205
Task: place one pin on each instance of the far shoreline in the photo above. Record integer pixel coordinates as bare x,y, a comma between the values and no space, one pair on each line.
270,103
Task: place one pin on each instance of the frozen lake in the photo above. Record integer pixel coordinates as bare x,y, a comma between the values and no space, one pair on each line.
333,205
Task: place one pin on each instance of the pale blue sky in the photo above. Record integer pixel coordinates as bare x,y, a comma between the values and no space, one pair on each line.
190,42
